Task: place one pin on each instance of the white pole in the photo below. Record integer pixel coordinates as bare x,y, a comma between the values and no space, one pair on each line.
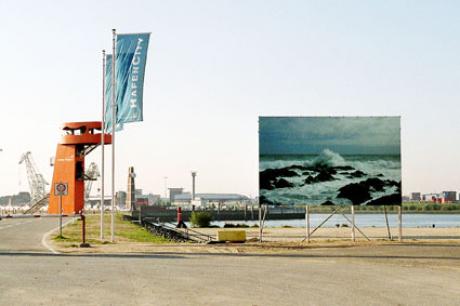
102,146
386,222
353,237
400,221
307,221
260,222
114,121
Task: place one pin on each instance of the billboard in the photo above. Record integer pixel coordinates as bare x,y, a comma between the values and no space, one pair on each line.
330,160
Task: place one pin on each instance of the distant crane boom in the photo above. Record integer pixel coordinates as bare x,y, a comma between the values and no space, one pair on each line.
37,182
91,174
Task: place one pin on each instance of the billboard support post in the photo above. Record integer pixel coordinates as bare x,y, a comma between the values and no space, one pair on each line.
307,223
400,222
353,237
260,222
357,228
386,222
324,221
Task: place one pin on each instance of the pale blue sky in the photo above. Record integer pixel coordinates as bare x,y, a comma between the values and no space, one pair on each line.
342,135
215,66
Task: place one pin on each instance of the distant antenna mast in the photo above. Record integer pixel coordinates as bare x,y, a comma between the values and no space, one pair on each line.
193,185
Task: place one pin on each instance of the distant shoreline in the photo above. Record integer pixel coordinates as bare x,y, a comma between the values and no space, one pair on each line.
435,212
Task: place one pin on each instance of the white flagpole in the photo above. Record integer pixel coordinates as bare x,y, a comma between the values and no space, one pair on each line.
114,121
102,146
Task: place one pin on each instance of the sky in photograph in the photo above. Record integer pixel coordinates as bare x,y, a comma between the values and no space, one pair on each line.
214,67
343,135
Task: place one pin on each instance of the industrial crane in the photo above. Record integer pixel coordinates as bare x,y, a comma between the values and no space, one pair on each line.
91,174
37,182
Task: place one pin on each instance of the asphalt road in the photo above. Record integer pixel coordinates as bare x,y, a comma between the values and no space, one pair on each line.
17,234
41,279
356,276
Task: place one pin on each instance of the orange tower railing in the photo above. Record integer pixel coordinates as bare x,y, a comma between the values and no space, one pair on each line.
79,139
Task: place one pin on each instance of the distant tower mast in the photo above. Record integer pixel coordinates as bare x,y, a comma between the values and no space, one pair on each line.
131,195
193,185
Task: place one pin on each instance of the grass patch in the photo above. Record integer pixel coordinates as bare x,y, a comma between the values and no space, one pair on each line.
124,231
60,238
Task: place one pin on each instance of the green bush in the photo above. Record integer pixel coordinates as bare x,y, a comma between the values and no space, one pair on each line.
200,219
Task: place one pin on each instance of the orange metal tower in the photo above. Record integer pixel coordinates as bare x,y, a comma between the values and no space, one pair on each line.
79,140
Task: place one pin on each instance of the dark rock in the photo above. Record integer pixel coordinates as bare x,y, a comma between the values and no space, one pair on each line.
324,176
297,167
392,183
268,177
282,183
379,175
344,168
265,184
328,202
356,174
375,183
264,200
357,193
393,199
310,179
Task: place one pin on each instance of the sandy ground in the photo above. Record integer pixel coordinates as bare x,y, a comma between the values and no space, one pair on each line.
296,234
284,240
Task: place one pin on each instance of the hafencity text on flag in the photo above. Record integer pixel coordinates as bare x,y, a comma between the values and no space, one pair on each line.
131,57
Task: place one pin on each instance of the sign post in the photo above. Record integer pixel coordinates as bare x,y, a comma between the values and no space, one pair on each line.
60,189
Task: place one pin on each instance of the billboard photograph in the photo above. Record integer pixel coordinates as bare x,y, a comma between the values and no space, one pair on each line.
329,160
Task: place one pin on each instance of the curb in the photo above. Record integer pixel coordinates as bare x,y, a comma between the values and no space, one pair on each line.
45,236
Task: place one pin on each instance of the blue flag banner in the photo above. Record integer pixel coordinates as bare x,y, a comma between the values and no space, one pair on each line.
130,65
108,96
108,93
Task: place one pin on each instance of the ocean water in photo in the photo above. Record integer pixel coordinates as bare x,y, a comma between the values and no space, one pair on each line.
330,178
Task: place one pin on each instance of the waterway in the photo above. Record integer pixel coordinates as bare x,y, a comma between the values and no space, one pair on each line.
364,220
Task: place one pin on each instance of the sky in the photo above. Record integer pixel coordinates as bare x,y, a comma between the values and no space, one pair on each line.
214,67
343,135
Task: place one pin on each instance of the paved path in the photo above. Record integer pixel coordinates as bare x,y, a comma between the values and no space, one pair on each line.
29,275
25,234
44,279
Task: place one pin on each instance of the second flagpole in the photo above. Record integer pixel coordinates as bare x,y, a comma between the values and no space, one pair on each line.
114,121
102,146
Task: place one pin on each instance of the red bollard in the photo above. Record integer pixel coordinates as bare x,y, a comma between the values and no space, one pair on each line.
83,232
180,222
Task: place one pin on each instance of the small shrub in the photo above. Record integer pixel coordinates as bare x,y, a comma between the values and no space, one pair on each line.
238,225
200,219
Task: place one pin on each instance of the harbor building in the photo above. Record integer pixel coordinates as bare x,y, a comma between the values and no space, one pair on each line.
449,196
416,196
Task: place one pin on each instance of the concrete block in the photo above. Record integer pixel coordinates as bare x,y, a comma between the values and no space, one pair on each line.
231,235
